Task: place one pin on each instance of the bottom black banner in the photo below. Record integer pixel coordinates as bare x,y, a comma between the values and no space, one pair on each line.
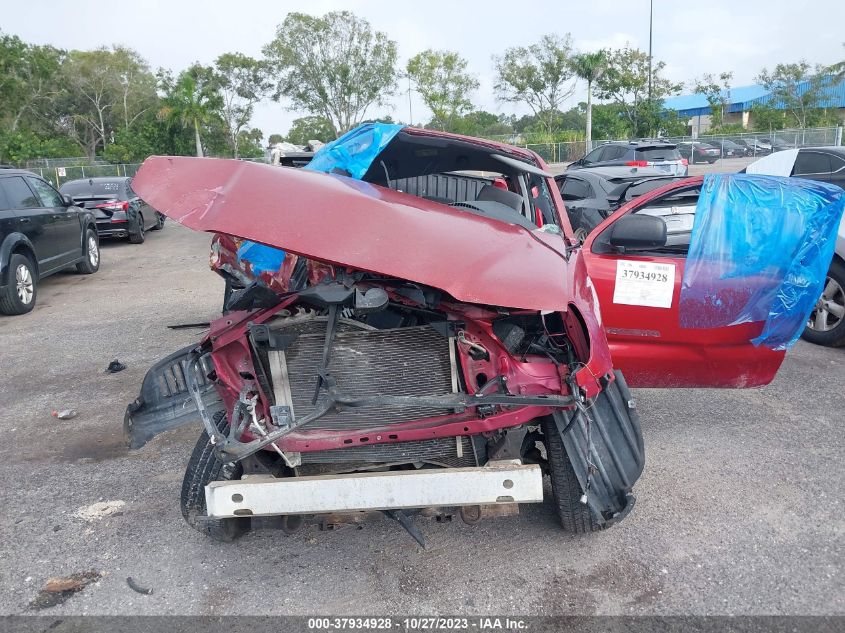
474,624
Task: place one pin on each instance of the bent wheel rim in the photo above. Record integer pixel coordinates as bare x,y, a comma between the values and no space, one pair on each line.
829,310
24,284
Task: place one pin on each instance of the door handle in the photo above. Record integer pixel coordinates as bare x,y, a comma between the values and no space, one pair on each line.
25,220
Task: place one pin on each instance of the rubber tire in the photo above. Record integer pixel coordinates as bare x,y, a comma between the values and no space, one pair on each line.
9,302
138,237
203,468
574,516
836,336
85,267
159,225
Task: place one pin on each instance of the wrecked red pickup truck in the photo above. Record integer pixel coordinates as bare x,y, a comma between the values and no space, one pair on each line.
444,351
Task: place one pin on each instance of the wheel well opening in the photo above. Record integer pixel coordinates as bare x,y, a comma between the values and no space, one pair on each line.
576,330
26,251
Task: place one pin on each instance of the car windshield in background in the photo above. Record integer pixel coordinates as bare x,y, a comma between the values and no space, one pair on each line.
658,153
95,187
640,188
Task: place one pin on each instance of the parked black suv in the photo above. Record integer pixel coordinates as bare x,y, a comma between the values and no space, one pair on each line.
41,233
643,153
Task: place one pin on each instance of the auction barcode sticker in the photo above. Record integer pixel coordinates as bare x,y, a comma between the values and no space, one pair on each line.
644,284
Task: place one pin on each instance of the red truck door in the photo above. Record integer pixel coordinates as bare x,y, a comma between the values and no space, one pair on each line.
639,293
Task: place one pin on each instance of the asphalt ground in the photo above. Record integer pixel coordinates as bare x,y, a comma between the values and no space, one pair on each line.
739,511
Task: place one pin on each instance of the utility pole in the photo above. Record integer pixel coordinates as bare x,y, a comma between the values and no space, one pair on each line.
410,110
650,25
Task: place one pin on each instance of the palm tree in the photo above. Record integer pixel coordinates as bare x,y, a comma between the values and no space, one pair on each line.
589,67
194,99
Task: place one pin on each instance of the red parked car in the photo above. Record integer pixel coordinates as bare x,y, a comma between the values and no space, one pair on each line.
450,347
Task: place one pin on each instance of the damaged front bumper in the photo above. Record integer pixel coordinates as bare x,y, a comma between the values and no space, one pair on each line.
497,483
165,402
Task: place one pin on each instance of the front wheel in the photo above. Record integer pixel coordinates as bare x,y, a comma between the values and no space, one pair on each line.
203,468
18,297
159,225
574,516
91,254
826,325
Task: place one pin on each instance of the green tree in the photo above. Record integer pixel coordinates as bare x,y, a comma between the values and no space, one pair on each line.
589,67
537,76
310,128
837,70
103,90
28,81
334,66
766,118
797,88
610,121
716,90
275,138
442,80
250,142
483,124
242,82
193,99
625,83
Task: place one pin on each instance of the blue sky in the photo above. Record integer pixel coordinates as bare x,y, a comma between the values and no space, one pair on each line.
692,38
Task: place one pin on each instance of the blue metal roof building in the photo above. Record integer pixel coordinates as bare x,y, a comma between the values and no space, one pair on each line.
742,98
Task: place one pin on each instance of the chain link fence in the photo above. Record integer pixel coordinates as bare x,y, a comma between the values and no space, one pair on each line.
569,151
57,175
61,170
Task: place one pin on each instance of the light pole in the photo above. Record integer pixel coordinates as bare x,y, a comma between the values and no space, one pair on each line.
410,110
650,24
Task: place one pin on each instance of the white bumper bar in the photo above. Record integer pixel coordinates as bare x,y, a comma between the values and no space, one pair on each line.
498,483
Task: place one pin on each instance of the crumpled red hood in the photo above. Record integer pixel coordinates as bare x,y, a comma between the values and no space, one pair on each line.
352,223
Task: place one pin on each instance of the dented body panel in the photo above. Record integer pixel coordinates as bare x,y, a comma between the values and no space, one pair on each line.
351,223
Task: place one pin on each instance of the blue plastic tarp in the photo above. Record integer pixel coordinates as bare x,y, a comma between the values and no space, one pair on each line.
262,258
760,249
355,151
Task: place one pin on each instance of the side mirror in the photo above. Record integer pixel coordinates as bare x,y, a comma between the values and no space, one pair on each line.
67,200
638,233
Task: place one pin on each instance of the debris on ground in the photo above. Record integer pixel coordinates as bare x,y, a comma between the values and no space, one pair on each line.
186,326
100,510
57,590
64,414
115,366
134,586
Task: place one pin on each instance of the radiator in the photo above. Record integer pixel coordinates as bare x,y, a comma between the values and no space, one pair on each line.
455,452
411,361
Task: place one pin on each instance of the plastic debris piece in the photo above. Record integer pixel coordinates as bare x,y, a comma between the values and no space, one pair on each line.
57,590
134,586
64,414
115,366
759,252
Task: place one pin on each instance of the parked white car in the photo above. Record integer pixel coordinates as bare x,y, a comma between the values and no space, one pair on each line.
826,325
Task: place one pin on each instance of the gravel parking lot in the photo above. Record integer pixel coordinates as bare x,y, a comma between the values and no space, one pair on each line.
740,509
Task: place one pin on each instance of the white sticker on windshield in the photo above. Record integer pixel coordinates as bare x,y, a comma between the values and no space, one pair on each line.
644,284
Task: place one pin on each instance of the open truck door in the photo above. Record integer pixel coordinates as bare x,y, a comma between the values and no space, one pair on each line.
703,283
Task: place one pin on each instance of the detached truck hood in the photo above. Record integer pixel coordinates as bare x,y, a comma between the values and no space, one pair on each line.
351,223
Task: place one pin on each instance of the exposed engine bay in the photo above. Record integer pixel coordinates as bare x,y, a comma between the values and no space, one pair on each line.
360,374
